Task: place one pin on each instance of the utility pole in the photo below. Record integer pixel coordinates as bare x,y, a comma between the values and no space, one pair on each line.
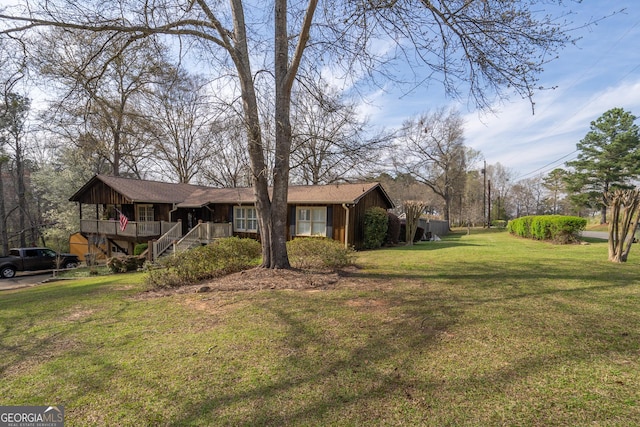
484,192
489,205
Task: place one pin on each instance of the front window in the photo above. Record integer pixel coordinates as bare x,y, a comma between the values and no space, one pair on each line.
245,219
145,213
311,221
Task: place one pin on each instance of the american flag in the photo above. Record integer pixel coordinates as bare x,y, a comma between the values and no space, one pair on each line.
123,220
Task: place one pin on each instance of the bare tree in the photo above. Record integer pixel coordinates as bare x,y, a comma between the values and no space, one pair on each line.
413,210
490,45
13,113
432,150
500,181
181,121
330,142
527,197
472,212
228,165
100,78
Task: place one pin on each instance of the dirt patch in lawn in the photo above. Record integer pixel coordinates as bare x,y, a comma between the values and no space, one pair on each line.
258,279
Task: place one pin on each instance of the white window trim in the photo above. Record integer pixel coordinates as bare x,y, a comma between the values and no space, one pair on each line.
244,217
311,222
146,207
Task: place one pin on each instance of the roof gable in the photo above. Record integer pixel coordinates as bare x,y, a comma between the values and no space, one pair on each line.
138,191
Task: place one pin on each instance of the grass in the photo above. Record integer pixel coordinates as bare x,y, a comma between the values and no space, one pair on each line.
475,330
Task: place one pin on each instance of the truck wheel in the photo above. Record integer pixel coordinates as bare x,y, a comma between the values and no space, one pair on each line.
8,272
70,264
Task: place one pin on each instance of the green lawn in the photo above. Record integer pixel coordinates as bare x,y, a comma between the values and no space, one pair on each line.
476,330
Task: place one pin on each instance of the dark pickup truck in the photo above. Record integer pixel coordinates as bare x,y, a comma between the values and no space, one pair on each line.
34,259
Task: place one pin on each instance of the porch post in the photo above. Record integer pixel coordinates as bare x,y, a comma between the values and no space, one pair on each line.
346,225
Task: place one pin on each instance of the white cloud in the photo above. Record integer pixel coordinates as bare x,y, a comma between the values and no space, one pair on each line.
525,143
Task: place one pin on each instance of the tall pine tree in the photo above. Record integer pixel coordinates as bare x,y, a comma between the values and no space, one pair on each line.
609,159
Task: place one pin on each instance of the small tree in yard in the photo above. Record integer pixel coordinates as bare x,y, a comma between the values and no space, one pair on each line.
625,214
413,210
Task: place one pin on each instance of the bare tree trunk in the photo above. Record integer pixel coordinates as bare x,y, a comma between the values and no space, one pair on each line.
240,55
4,239
22,201
272,212
623,223
413,210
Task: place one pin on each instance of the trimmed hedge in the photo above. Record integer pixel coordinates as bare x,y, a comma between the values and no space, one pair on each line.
558,228
318,253
224,256
376,224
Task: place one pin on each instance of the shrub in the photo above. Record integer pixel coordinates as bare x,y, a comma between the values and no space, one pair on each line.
224,256
393,229
140,248
123,264
375,227
318,253
559,228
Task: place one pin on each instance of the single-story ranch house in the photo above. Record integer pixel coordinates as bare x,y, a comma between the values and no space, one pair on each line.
124,212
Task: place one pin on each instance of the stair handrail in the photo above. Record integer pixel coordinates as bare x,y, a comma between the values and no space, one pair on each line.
191,237
166,240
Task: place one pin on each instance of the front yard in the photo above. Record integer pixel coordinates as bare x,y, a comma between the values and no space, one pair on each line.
481,329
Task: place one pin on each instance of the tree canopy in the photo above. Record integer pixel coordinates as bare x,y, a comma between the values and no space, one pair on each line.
608,159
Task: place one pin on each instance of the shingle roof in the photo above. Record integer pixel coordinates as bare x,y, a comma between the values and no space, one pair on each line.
137,190
312,194
194,196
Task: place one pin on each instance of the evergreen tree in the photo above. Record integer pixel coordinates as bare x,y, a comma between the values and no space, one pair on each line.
609,159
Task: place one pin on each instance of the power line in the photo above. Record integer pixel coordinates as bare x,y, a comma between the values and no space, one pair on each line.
574,82
547,165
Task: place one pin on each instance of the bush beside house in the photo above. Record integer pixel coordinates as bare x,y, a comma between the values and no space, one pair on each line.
376,224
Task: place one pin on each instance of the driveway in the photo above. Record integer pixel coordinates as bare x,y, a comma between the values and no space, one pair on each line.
596,234
23,280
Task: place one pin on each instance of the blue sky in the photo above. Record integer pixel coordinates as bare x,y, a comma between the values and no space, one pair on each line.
600,72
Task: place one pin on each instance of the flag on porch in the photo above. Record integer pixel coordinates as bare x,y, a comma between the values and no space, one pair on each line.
123,220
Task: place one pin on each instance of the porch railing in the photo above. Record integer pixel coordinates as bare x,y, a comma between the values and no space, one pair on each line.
133,229
203,233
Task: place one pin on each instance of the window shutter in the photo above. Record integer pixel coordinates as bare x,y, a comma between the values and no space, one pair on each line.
292,220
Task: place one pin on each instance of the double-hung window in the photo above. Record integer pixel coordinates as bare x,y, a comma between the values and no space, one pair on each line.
245,219
311,221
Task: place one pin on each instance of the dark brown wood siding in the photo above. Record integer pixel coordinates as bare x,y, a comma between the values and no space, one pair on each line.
356,218
339,216
161,212
101,194
356,221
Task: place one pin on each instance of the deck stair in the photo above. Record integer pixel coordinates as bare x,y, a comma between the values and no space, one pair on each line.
202,234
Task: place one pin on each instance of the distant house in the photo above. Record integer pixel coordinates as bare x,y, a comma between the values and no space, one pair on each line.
166,214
